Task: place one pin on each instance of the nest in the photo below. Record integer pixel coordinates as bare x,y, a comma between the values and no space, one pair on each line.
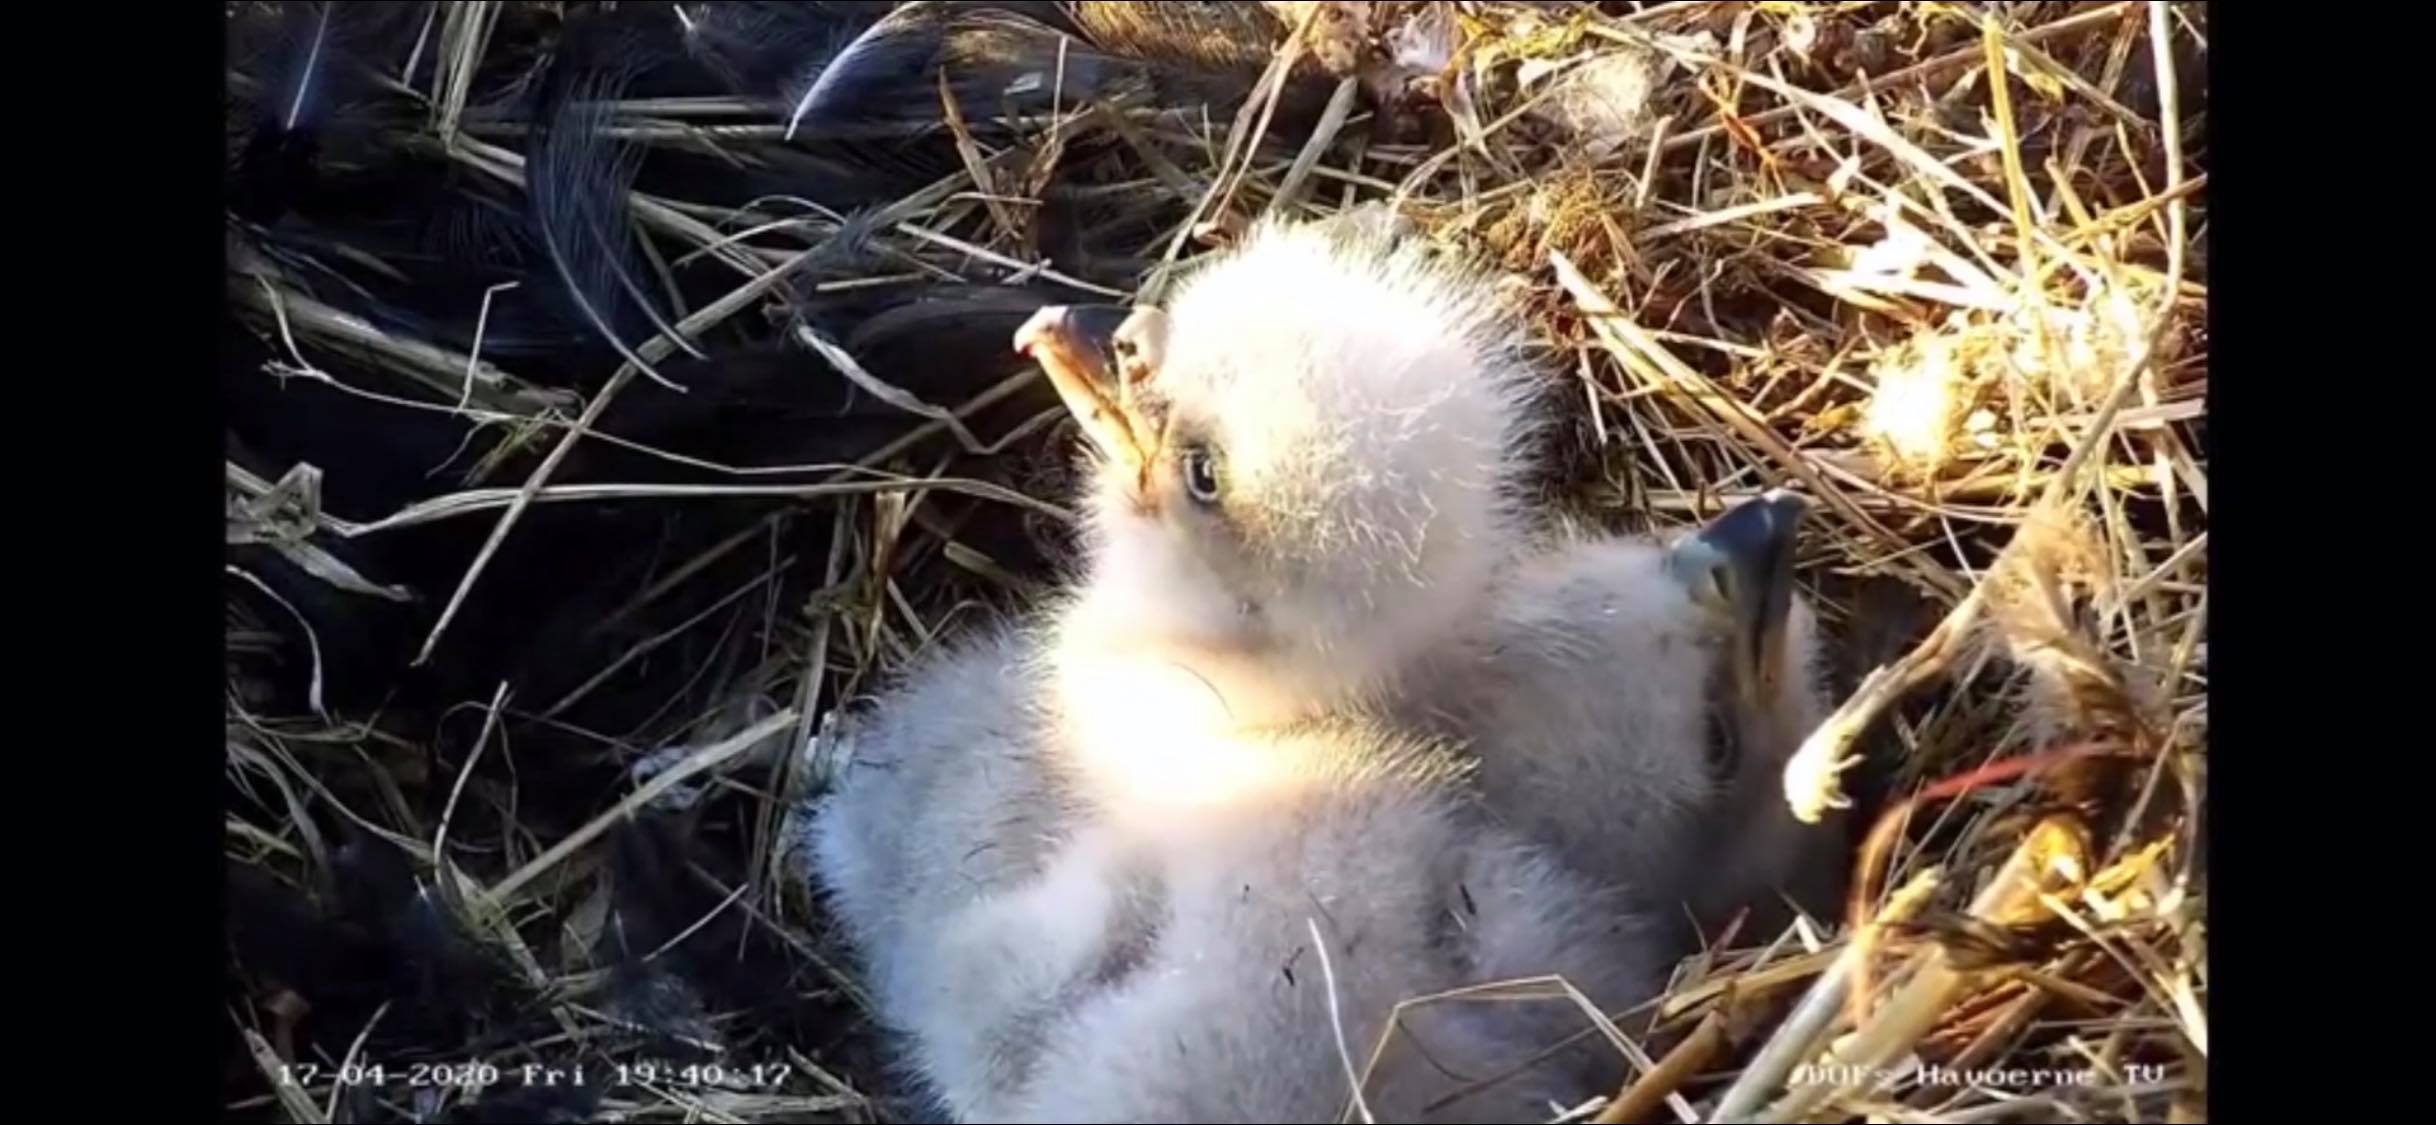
1935,266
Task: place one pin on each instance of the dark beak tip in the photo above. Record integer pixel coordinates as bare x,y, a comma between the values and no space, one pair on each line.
1786,503
1747,551
1760,528
1086,332
1096,323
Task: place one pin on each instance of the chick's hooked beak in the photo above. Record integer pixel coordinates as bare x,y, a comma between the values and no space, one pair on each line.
1741,565
1101,359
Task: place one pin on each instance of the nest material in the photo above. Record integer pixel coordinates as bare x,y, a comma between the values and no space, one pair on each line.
1935,266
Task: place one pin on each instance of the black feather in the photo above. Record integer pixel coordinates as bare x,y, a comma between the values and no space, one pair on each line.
307,93
378,938
680,946
760,49
578,181
997,61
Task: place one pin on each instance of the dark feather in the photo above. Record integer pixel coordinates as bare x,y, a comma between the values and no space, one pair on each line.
379,938
997,61
760,49
578,181
306,93
680,946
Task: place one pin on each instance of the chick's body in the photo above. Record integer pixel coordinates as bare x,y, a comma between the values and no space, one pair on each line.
1368,412
1293,926
1180,937
1592,685
947,810
1084,858
1372,413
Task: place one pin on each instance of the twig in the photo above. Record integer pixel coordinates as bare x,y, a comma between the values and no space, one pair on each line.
523,498
1903,76
1340,105
1799,1035
1632,345
482,323
651,644
1643,1097
2009,145
925,234
448,811
1812,775
652,350
2010,896
845,364
975,164
689,931
707,758
485,499
1251,125
447,373
465,33
807,696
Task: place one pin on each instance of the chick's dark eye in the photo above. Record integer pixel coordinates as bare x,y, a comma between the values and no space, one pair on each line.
1200,476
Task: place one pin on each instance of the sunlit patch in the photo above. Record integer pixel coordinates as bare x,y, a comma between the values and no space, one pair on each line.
1154,736
1977,383
1920,392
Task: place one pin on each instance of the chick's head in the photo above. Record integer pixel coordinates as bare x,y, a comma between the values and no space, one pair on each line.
1306,461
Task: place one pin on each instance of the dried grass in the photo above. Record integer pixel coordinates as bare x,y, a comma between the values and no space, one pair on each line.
1931,264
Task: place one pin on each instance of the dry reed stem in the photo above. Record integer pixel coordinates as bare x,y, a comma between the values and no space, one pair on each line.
1797,1038
1323,137
651,351
2053,847
700,761
465,34
444,372
1243,141
475,501
1645,1095
1642,354
1811,785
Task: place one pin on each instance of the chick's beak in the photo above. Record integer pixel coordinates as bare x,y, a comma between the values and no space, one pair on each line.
1076,345
1741,564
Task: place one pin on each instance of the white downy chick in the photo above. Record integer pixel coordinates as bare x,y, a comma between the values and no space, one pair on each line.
1306,462
1340,871
933,848
1099,826
1634,702
1312,463
1059,941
